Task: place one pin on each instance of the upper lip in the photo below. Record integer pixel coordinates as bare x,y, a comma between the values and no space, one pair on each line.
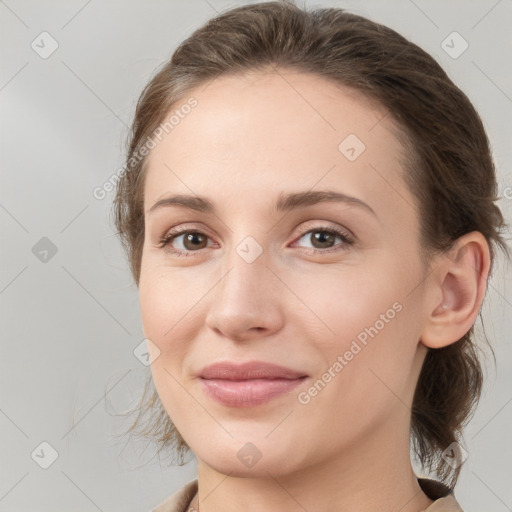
227,370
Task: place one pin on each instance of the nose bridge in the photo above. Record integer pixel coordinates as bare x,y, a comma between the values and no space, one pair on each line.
244,299
243,284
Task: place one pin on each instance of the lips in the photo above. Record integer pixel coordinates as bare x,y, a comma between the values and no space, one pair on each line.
248,384
250,370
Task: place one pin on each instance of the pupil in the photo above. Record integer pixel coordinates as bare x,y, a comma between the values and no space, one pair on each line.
323,237
191,237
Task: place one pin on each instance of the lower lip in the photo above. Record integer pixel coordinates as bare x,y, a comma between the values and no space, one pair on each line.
248,393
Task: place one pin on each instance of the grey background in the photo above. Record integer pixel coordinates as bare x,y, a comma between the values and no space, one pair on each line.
70,322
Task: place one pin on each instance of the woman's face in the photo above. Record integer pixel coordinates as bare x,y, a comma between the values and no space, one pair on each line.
331,289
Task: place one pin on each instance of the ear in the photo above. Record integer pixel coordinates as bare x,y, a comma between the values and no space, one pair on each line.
457,287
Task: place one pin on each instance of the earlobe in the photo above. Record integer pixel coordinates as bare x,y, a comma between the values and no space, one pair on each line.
460,279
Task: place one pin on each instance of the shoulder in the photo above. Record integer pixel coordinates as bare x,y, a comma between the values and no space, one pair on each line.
444,499
180,500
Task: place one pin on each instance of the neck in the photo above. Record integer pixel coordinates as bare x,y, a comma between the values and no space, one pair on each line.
374,476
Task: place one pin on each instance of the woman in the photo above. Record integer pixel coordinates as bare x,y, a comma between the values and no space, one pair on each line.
308,210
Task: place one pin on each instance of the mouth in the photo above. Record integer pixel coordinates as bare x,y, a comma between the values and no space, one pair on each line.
248,384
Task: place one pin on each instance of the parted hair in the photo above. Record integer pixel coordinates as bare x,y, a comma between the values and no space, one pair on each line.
449,169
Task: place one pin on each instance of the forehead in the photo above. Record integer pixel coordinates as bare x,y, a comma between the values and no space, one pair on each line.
252,136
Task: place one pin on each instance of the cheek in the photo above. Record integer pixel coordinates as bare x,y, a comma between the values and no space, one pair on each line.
364,329
172,303
167,301
345,302
366,376
165,304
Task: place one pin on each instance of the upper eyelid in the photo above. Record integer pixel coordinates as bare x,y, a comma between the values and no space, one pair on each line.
326,226
183,230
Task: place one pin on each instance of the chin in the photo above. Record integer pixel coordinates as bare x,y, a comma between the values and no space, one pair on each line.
233,467
245,459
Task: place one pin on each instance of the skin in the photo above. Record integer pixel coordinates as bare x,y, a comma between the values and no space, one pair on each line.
249,139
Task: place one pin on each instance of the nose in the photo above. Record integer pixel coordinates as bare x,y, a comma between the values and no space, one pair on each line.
246,303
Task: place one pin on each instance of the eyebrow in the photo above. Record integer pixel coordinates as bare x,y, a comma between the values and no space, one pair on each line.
285,202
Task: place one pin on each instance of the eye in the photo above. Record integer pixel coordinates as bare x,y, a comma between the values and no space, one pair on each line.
322,239
191,241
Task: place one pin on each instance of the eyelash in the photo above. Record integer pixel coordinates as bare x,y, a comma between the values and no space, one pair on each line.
174,233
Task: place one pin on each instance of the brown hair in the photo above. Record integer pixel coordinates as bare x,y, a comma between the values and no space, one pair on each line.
449,168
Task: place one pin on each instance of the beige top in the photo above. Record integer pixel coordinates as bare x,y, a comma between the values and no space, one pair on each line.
444,500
